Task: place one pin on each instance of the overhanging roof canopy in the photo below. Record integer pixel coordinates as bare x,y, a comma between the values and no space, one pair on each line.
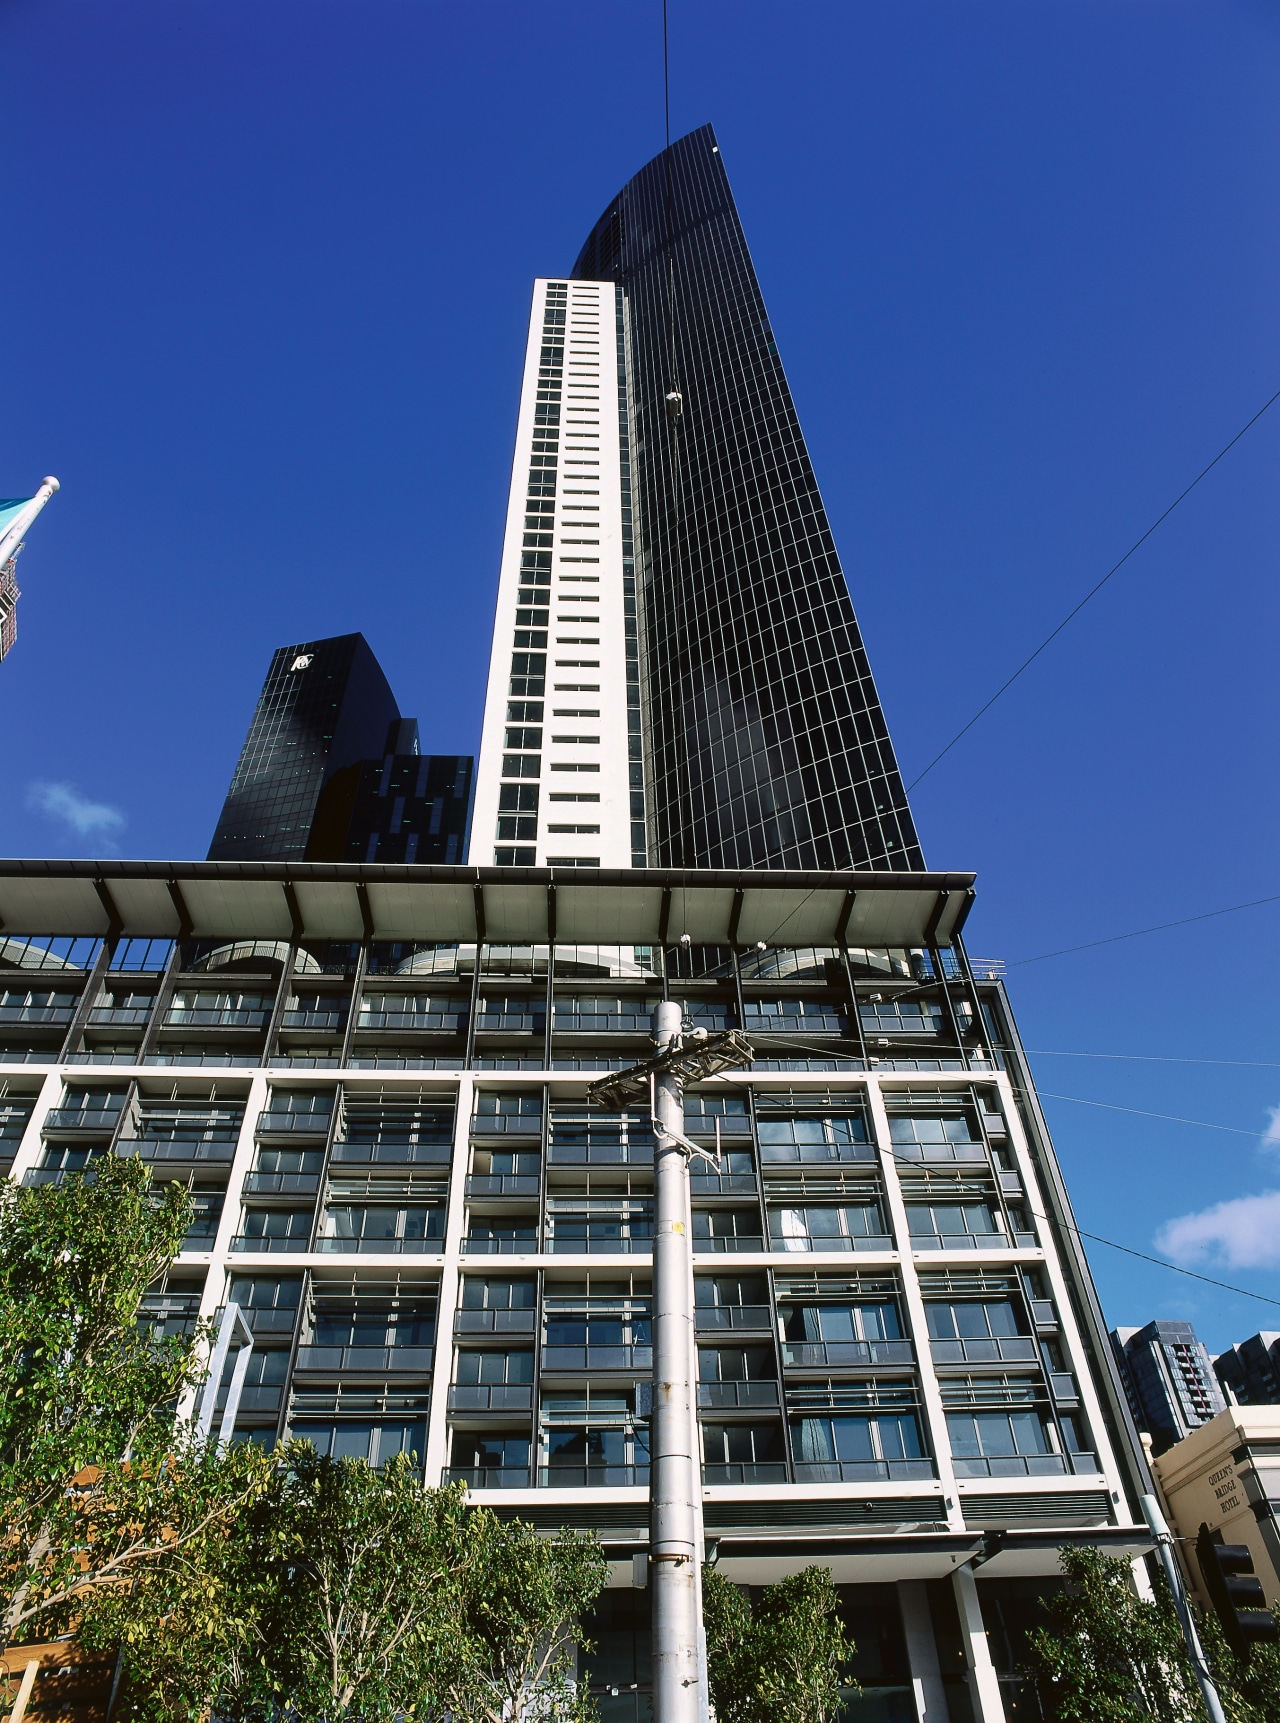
518,906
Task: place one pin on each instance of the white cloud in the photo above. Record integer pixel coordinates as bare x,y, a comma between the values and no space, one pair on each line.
1243,1232
1271,1136
64,802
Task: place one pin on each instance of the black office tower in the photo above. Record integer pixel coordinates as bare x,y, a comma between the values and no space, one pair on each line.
330,771
765,742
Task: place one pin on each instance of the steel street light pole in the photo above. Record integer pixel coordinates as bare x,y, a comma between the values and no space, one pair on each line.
675,1495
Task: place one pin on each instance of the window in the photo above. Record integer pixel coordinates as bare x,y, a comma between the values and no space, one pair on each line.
743,1453
291,1224
521,766
490,1369
381,1226
518,798
514,857
835,1448
997,1435
483,1294
573,861
358,1440
953,1226
840,1323
524,711
972,1319
483,1459
735,1364
844,1226
941,1131
523,739
826,1138
574,766
574,796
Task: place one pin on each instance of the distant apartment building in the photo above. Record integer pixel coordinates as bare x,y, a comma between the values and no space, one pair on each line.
1250,1371
1167,1376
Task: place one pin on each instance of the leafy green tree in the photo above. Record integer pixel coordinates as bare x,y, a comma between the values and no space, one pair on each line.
345,1592
511,1656
97,1484
1110,1656
778,1657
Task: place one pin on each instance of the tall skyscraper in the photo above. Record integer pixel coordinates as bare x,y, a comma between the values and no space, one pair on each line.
670,583
376,1078
1170,1383
330,771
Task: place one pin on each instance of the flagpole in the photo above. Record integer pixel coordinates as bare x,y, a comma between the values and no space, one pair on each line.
17,527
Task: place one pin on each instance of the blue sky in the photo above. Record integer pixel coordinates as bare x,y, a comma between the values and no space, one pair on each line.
267,274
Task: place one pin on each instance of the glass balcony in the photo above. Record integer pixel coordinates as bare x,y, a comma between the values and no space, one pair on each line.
387,1152
267,1319
1062,1385
506,1124
1043,1313
494,1321
591,1477
717,1318
588,1358
1005,1349
379,1246
840,1242
36,1013
332,1021
502,1185
944,1152
489,1477
197,1017
292,1124
86,1119
846,1354
862,1471
720,1396
755,1472
1011,1466
367,1358
722,1184
282,1184
120,1016
613,1245
490,1397
734,1242
605,1154
243,1242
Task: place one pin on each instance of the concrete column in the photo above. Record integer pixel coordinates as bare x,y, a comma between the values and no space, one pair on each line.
922,1652
988,1706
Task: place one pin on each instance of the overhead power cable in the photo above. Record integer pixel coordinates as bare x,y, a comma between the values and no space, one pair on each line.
1170,1118
1092,592
1172,1266
1154,1058
1160,927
